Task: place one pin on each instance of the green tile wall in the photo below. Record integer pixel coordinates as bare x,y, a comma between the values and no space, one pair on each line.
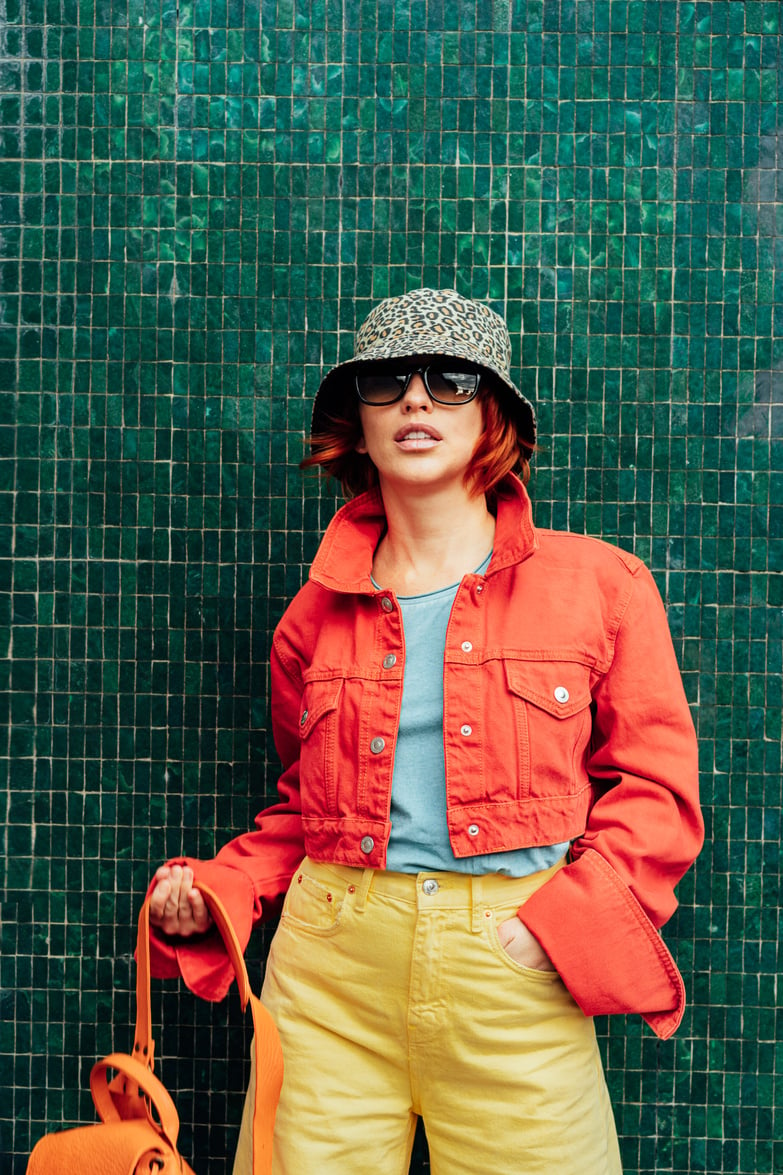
198,201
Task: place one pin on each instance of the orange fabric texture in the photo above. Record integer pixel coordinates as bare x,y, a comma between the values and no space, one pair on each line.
560,663
116,1148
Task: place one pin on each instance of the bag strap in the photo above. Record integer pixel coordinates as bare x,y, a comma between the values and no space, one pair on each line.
143,1044
268,1052
135,1092
165,1119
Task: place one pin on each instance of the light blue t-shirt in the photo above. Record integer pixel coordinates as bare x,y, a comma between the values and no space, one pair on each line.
419,838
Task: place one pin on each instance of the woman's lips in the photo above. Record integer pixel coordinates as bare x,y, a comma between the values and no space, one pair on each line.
413,438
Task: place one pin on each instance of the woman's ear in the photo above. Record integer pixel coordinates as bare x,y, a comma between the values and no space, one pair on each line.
360,446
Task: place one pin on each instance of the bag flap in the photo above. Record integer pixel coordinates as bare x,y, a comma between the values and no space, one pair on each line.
113,1148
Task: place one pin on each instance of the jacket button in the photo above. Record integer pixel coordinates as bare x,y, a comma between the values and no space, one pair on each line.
367,844
376,745
561,694
303,719
467,647
389,660
473,830
386,604
466,730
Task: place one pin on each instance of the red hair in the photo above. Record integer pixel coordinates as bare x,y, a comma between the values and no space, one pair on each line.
498,452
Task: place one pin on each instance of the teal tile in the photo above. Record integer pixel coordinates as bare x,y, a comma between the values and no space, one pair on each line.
198,204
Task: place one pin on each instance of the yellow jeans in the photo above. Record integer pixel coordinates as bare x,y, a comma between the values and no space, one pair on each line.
394,999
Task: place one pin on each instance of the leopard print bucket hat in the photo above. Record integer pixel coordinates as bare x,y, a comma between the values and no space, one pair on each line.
425,324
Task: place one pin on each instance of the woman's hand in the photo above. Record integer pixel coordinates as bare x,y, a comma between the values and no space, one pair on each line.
176,907
522,946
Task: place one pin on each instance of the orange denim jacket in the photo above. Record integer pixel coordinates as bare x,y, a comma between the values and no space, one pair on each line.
564,719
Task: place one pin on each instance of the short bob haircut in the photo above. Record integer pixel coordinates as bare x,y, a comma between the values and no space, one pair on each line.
498,452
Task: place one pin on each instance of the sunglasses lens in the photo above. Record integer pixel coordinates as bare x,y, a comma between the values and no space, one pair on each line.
379,388
452,387
447,387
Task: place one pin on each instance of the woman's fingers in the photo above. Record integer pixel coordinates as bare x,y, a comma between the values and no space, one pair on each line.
159,899
202,919
176,907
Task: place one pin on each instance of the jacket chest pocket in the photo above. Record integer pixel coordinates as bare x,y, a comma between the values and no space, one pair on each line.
318,735
551,701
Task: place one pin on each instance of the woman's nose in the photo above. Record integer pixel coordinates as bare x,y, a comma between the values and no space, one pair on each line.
416,395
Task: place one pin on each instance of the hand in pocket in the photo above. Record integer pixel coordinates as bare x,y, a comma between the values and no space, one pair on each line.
522,946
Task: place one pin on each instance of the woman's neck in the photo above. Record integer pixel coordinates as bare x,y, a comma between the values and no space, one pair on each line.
431,540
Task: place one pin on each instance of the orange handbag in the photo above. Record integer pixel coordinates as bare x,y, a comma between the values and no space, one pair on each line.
137,1134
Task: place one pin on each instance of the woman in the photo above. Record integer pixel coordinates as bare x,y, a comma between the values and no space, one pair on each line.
490,772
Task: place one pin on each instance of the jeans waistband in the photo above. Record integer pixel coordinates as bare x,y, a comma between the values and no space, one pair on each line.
434,889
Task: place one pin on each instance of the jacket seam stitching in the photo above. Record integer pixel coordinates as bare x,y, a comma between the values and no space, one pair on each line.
289,664
617,620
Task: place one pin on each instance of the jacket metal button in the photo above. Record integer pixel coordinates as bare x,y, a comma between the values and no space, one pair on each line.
377,744
389,660
303,719
467,647
466,730
561,694
367,844
430,886
386,604
473,830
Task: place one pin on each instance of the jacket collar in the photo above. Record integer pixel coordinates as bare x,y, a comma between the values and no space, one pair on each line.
343,562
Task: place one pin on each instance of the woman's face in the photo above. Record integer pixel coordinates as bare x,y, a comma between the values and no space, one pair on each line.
416,442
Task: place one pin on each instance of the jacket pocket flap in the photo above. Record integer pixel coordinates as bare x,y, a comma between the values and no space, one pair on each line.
319,698
559,687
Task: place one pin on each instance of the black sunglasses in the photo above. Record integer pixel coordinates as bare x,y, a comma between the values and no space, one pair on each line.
444,385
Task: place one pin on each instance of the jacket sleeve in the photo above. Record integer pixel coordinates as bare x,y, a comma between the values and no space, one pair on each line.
597,918
251,873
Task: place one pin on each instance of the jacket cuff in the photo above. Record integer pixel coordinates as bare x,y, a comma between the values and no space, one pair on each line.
607,951
201,960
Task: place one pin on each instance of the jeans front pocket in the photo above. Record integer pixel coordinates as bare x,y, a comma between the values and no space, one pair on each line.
315,904
493,918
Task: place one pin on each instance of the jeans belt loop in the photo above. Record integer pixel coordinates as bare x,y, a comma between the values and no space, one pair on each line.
363,889
477,903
